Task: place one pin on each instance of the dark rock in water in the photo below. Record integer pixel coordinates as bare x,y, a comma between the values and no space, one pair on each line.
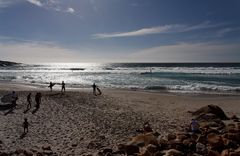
211,109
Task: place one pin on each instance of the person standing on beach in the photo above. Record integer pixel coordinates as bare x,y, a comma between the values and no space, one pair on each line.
38,100
94,89
63,86
29,100
51,85
25,126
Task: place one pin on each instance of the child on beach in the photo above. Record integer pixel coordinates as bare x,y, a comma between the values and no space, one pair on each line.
25,126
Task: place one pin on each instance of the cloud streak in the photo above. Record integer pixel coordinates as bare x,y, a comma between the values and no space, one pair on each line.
174,28
52,5
36,2
37,52
189,52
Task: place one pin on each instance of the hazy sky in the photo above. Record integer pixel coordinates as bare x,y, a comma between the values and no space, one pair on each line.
120,30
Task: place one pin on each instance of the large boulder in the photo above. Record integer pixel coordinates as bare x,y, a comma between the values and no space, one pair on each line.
213,109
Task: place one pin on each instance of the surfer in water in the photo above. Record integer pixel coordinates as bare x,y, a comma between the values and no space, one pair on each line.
51,85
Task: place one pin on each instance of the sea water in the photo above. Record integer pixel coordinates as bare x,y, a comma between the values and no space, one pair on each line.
177,77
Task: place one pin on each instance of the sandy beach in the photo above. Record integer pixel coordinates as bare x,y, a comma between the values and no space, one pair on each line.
78,122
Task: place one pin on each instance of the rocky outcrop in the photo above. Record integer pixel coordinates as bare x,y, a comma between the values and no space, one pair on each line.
215,138
211,109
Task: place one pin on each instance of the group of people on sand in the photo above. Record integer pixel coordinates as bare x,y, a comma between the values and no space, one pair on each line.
38,97
96,89
52,84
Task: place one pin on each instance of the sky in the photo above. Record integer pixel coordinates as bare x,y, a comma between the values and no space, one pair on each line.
42,31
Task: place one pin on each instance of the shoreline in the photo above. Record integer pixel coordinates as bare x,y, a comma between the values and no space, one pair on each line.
11,85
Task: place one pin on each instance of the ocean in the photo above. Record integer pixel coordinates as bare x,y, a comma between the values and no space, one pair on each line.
173,77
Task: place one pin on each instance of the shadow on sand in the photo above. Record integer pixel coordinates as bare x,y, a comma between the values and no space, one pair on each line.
9,107
22,136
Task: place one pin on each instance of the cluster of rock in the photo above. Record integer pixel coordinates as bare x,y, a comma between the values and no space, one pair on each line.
219,136
45,150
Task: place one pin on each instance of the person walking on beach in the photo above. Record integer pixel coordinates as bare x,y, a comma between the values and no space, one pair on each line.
94,89
29,100
51,85
38,100
63,86
14,98
25,126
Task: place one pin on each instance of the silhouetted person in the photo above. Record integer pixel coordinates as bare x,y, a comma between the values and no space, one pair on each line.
38,97
14,98
29,100
51,85
94,88
63,86
25,126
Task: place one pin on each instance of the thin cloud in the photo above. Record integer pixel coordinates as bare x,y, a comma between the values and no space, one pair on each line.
37,52
174,28
36,2
225,31
189,52
7,3
52,5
